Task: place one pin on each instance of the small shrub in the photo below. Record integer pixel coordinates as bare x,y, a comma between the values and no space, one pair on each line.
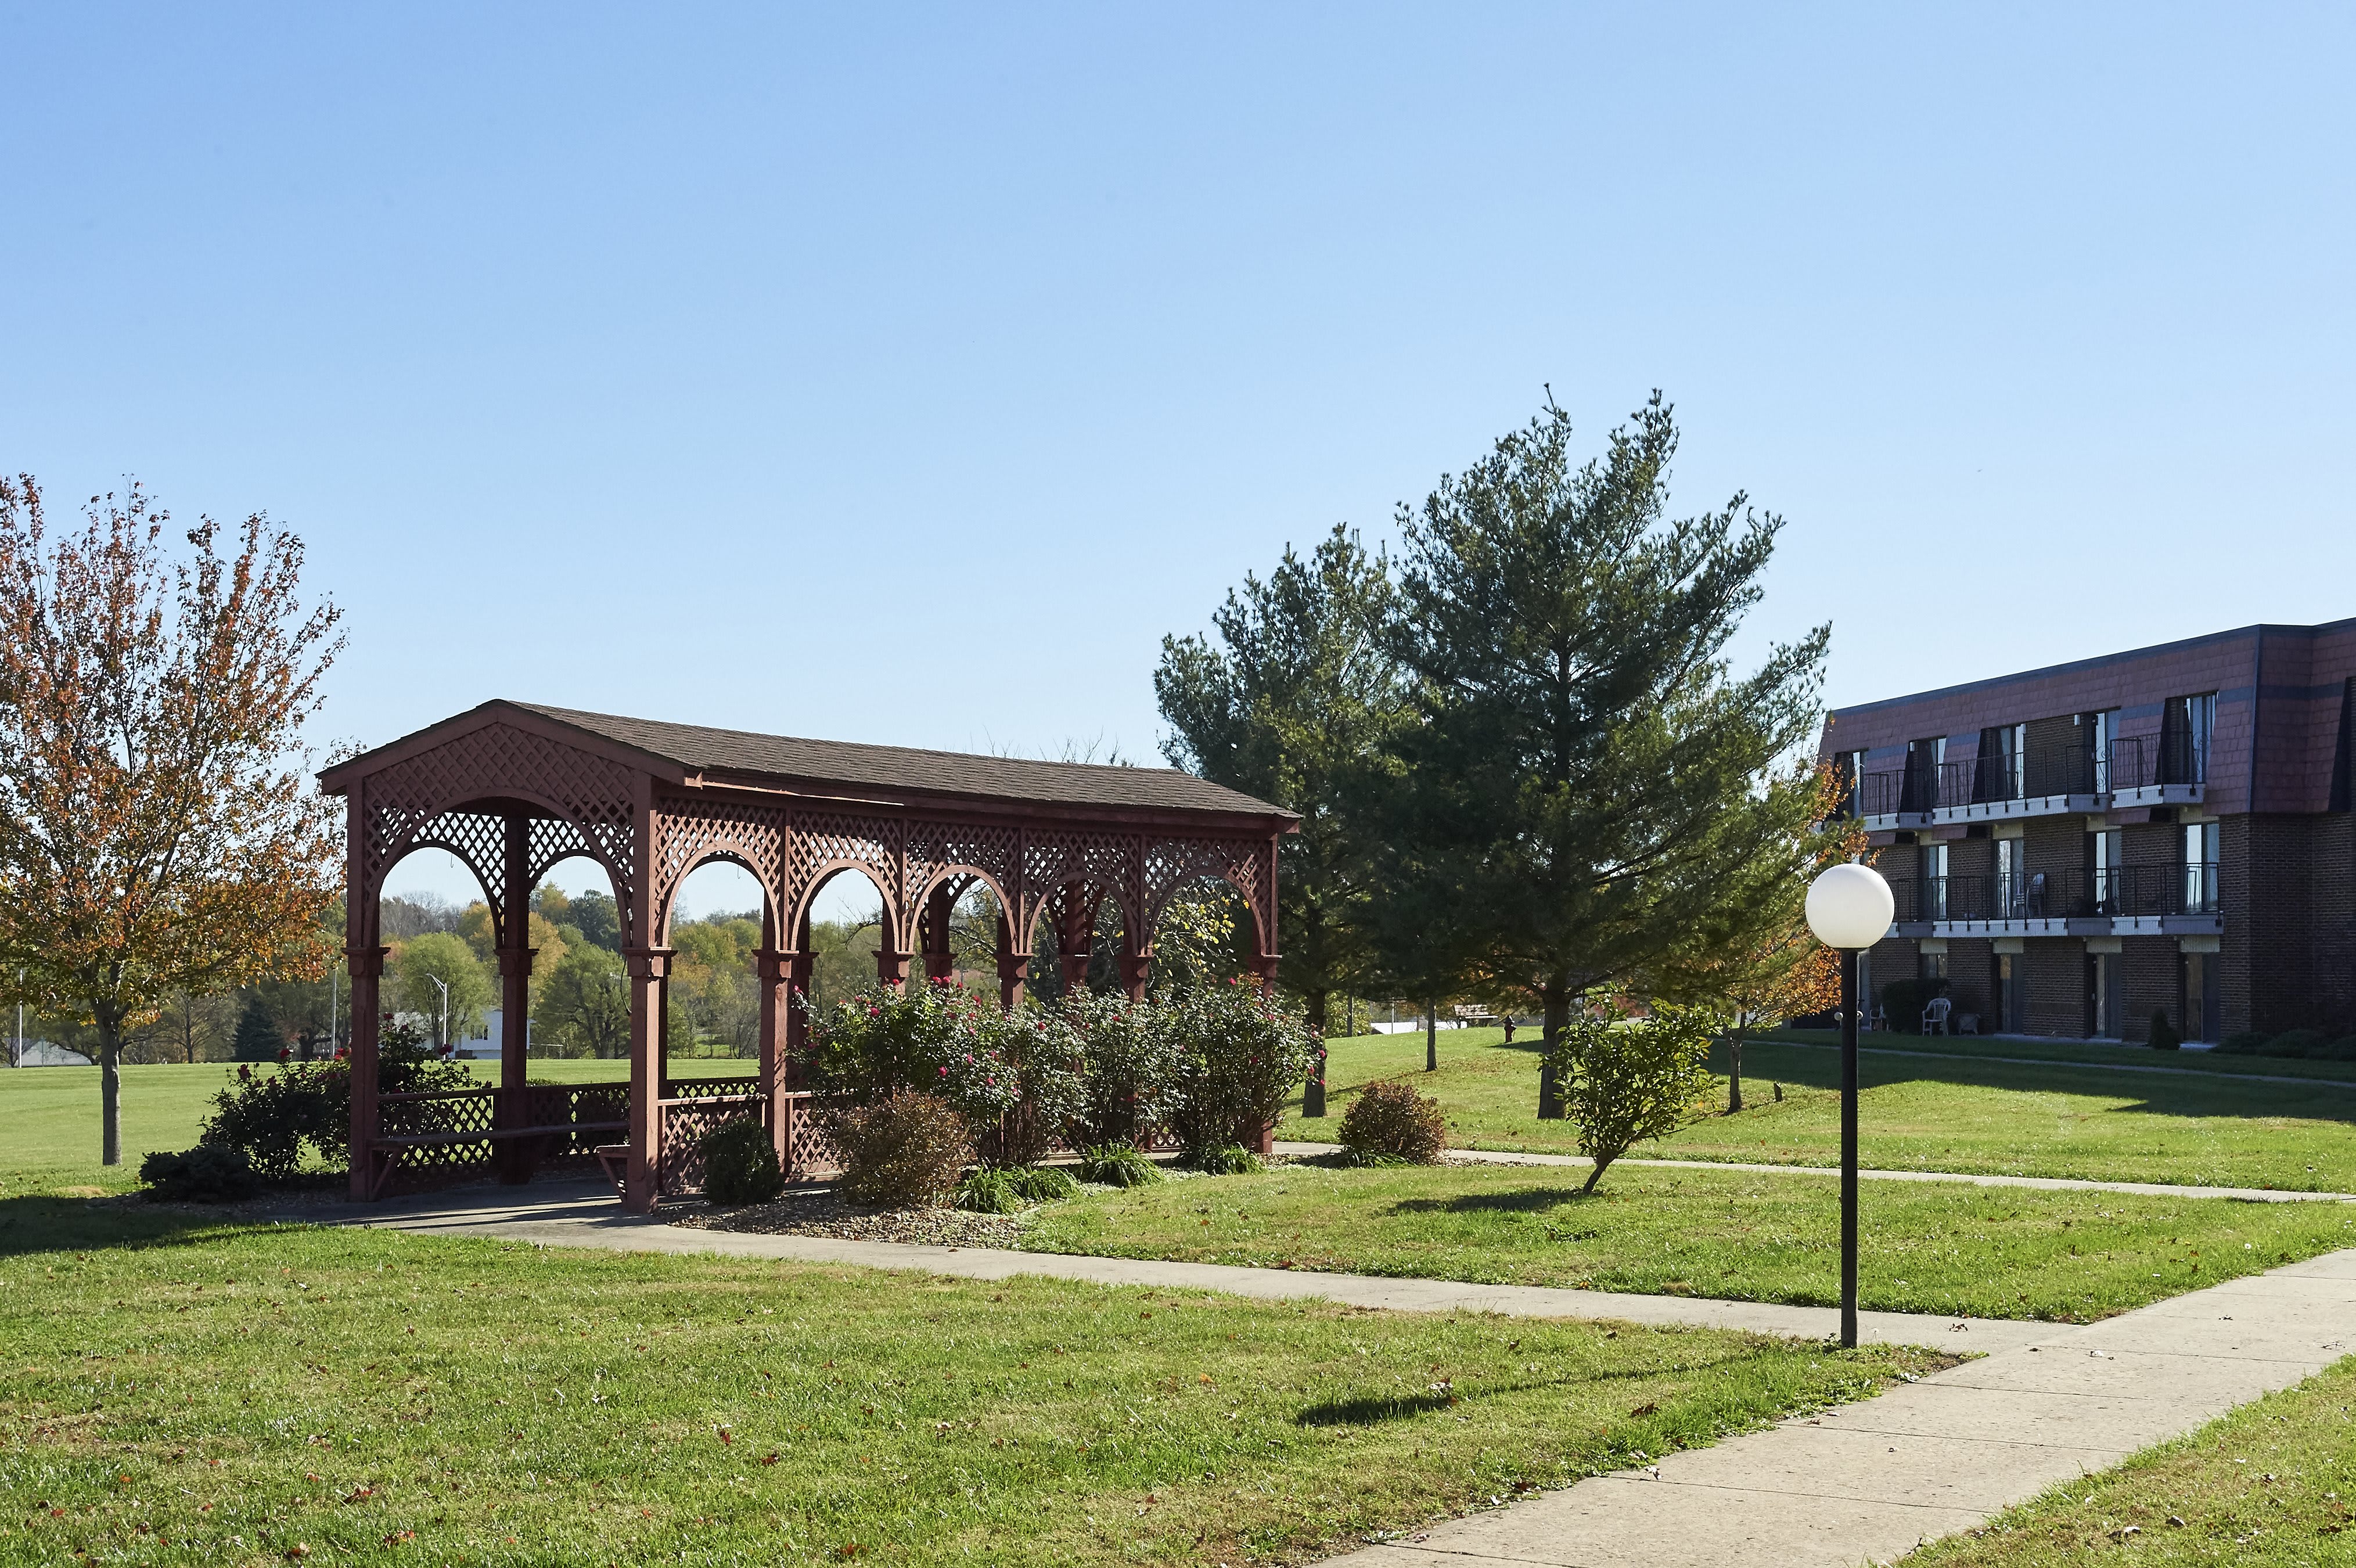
740,1164
1227,1159
210,1172
905,1148
272,1114
1390,1119
2248,1043
990,1191
2294,1042
2164,1036
1117,1164
2340,1050
1624,1083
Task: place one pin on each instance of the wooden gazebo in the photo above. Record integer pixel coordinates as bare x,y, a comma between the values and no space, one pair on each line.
513,788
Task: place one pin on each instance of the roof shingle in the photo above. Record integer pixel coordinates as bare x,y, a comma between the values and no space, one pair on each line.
851,765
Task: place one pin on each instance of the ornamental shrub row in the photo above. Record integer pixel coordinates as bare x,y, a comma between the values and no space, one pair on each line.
1211,1065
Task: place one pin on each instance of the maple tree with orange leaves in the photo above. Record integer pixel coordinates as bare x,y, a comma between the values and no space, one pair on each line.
159,831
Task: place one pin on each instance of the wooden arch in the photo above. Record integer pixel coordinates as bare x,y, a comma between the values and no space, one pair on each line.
512,788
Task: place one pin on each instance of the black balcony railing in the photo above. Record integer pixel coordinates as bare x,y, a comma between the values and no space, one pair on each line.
2140,761
1882,794
2074,893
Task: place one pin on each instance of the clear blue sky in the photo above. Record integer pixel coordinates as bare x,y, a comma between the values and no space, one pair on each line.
904,374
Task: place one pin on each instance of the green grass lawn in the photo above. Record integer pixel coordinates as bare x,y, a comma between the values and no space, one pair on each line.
49,1116
1928,1246
1953,1110
2272,1484
177,1391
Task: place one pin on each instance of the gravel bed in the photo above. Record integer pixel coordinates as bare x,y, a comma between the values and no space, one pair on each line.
819,1212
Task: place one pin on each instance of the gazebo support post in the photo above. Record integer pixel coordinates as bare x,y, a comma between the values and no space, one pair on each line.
649,968
772,967
367,965
516,1158
940,962
1075,930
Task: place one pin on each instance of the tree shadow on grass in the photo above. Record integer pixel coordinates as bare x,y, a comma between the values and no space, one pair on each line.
2198,1094
47,1224
1367,1410
1520,1200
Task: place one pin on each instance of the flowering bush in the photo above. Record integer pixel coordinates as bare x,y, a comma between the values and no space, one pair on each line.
935,1039
1131,1068
1045,1051
1238,1054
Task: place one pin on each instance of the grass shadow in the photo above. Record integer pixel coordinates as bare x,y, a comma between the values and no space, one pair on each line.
1520,1201
2195,1095
1369,1409
50,1224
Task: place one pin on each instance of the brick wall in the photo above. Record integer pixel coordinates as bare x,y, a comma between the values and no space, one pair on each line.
2056,983
2277,922
1971,979
2151,971
2331,909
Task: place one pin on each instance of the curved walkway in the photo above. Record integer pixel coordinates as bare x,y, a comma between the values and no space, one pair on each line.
2051,1184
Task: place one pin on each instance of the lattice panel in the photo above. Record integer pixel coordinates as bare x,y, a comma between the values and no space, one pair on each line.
1171,863
556,838
809,1152
936,847
683,1127
823,839
496,760
481,842
1110,865
689,832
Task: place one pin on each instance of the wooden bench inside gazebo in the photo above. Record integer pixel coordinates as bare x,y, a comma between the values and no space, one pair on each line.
512,789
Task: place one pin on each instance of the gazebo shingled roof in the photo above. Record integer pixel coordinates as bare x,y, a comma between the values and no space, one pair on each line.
513,788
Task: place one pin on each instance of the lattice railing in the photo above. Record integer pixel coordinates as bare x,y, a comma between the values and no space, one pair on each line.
684,1124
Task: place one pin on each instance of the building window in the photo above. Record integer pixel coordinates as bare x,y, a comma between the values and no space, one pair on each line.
2201,868
2011,879
1934,858
2012,746
2104,1001
2201,1010
2012,995
2105,873
2102,733
2185,728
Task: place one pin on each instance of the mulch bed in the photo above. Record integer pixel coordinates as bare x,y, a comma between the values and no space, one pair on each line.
817,1211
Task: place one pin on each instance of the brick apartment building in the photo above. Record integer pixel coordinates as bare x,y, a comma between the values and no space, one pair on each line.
2076,848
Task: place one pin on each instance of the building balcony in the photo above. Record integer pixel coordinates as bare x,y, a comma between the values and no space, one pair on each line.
2141,770
2120,901
2156,770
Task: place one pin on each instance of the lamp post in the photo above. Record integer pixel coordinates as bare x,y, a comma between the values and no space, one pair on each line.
1849,908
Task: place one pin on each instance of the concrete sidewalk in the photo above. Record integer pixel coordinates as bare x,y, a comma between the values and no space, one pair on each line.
2047,1184
580,1214
1868,1482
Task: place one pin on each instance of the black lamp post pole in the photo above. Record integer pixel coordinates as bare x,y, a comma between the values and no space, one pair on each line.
1849,1148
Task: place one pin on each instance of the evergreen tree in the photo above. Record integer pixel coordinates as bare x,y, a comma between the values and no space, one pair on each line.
258,1038
1584,789
1287,704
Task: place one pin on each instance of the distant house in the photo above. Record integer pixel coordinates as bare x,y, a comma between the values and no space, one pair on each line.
485,1047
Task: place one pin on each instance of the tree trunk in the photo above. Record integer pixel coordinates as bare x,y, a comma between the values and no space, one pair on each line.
1315,1003
110,1095
1734,1077
1431,1036
1556,997
1603,1163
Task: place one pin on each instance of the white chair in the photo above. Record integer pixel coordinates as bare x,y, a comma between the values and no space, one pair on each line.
1934,1016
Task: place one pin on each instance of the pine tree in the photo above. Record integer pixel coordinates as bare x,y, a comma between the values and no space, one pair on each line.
1287,705
258,1038
1583,788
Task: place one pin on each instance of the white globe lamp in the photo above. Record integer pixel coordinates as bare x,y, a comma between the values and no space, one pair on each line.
1849,906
